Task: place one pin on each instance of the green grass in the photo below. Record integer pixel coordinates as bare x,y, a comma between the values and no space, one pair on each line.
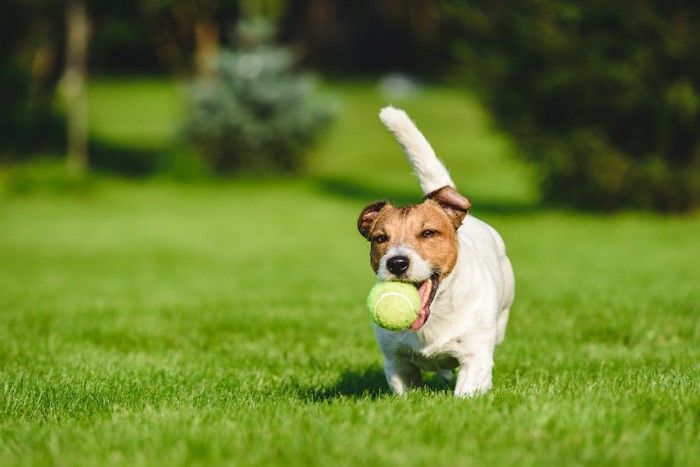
164,324
358,152
140,113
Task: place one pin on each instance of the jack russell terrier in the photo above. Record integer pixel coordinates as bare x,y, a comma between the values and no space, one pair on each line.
458,264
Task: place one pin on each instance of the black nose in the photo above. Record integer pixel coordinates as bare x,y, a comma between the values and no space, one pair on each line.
397,264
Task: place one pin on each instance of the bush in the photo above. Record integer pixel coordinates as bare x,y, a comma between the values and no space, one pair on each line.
603,96
256,113
27,124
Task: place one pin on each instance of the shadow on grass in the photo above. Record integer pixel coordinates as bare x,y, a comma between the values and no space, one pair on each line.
368,192
354,189
123,160
368,383
47,173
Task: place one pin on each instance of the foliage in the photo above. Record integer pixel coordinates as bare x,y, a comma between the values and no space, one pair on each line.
362,36
28,75
603,96
255,113
367,36
27,124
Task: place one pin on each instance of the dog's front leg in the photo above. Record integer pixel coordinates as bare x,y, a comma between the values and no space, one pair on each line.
401,375
476,368
474,376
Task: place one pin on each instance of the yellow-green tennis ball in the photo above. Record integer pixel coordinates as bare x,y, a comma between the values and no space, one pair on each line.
393,305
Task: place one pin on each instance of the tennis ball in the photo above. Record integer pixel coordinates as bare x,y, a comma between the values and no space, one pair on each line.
393,305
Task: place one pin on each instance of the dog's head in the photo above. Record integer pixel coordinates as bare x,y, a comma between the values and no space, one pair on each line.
416,243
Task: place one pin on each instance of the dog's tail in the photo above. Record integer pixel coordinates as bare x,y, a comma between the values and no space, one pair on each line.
431,173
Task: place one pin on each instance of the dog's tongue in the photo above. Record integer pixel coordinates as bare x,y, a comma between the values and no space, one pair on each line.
424,292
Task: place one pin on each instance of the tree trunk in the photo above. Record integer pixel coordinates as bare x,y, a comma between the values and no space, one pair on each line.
75,80
206,38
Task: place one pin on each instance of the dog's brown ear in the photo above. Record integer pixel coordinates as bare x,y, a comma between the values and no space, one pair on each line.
455,205
369,216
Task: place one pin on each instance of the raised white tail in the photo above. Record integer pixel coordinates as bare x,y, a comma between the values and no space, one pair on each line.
431,173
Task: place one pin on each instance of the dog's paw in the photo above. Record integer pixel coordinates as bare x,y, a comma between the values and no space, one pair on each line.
474,380
401,376
472,390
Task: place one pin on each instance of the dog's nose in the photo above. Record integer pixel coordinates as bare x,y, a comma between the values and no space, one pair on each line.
397,264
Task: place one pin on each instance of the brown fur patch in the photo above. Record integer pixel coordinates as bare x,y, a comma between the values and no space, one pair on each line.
407,226
369,216
452,202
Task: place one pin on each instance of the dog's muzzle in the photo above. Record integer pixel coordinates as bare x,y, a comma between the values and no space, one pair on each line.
398,265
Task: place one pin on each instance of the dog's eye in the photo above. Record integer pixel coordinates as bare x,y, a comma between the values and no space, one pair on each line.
381,238
428,233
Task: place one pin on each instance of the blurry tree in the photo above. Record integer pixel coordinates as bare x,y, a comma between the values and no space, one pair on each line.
352,37
75,82
603,96
255,113
185,34
31,34
366,35
183,37
121,40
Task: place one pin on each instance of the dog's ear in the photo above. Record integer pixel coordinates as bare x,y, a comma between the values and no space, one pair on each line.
369,216
455,205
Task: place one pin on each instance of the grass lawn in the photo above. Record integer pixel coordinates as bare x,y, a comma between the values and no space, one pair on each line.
153,323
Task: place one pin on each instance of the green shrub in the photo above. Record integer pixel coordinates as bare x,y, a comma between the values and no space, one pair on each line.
604,97
255,113
28,125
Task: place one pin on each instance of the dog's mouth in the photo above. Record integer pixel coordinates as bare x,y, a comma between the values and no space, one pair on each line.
427,290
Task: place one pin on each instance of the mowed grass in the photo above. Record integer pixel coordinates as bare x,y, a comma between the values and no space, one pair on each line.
164,324
137,113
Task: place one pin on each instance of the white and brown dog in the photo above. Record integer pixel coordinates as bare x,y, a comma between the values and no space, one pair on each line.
457,262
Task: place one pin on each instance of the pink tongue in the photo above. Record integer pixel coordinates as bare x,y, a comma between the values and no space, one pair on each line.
424,292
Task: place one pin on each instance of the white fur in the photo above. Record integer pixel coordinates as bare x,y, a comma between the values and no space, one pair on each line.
432,175
469,314
418,269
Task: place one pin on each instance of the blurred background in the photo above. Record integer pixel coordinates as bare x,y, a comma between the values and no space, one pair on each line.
594,106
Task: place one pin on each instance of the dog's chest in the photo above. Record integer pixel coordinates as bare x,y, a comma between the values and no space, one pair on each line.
441,361
430,357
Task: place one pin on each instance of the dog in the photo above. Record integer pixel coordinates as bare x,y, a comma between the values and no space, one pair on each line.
458,264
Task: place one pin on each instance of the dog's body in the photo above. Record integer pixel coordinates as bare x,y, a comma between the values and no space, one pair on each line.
457,262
